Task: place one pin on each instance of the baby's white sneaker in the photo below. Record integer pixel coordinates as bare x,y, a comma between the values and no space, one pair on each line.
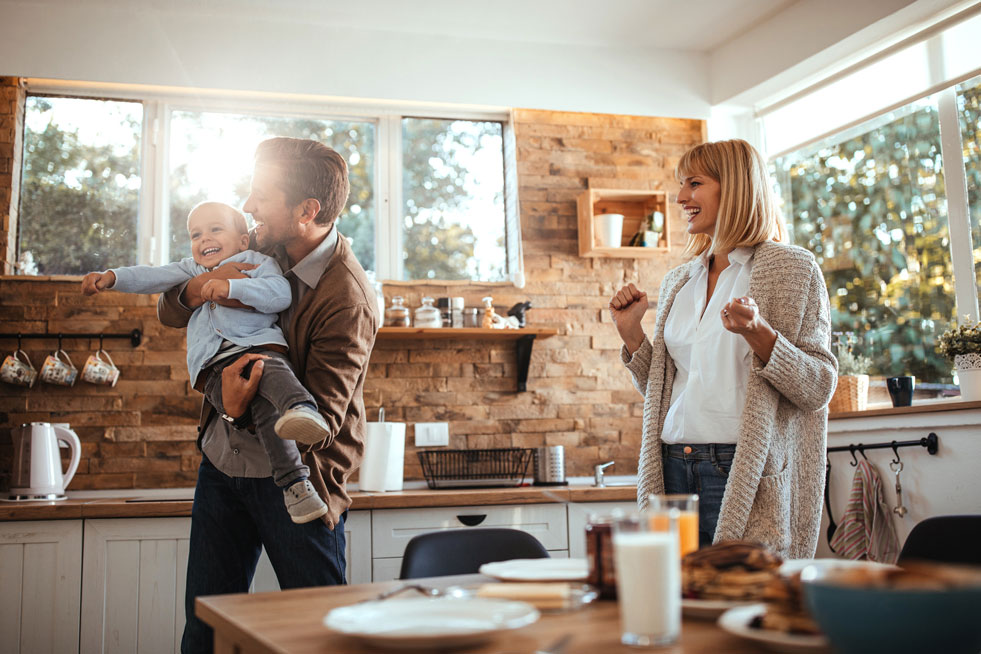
303,425
303,503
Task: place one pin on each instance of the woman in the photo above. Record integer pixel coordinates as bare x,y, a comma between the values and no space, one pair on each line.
737,378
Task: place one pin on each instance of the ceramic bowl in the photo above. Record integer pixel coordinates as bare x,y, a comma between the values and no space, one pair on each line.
861,619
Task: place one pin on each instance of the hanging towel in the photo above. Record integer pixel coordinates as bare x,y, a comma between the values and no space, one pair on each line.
866,530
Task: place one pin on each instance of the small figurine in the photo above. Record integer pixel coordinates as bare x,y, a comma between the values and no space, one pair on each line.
489,314
518,311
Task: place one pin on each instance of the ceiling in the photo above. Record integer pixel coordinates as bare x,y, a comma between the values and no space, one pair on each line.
687,25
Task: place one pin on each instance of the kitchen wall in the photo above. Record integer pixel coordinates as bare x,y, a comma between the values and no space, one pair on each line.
141,433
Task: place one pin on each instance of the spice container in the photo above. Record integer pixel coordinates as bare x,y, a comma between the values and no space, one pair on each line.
471,317
456,311
397,315
427,315
443,304
599,553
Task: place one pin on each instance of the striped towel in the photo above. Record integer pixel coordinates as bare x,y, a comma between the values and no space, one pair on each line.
866,530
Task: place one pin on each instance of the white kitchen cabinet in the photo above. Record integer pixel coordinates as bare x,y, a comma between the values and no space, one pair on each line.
40,585
392,529
579,515
133,573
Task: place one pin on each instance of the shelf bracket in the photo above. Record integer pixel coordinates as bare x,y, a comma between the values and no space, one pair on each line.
523,350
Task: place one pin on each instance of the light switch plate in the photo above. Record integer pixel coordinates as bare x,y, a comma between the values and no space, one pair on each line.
432,434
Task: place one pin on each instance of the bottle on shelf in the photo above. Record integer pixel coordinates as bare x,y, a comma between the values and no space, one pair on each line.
427,315
397,315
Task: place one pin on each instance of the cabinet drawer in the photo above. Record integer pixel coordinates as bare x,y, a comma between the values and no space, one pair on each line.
392,529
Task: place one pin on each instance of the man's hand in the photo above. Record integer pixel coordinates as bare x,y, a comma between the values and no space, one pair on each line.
192,298
96,282
215,290
237,391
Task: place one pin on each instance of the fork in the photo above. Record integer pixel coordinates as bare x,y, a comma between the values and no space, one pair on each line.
429,591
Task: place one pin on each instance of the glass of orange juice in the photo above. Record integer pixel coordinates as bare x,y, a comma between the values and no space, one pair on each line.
687,505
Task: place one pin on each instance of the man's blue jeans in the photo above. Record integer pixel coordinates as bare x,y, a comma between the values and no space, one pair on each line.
232,518
704,470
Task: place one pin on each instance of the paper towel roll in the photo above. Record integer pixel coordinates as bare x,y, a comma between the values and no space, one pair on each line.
384,448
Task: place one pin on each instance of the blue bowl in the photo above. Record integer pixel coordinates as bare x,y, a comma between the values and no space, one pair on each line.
863,620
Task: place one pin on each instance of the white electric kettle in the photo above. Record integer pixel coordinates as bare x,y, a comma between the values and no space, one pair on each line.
37,474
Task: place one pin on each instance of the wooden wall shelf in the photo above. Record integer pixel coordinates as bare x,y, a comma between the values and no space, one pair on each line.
635,207
525,340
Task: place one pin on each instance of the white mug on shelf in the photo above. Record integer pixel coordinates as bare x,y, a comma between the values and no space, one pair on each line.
609,230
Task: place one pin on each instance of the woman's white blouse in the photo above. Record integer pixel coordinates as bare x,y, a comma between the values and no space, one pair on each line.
713,364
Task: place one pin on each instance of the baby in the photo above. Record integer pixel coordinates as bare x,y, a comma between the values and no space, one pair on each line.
217,335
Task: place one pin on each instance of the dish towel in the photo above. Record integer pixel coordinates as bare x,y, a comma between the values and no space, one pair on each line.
866,530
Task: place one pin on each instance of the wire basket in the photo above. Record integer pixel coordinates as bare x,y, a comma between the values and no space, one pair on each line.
504,466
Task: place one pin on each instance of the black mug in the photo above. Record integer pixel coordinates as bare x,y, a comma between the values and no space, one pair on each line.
901,390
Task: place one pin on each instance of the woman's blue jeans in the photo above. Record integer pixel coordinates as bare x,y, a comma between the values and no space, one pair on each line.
231,520
702,469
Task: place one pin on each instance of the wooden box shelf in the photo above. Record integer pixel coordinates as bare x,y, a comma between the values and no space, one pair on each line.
635,207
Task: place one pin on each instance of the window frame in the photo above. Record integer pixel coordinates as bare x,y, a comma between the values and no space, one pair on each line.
159,103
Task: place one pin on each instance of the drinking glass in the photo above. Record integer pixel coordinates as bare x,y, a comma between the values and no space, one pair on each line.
687,505
645,547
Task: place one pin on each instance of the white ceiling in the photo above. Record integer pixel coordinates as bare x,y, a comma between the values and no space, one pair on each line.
686,25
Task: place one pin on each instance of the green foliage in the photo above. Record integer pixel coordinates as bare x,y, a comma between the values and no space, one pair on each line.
963,339
871,207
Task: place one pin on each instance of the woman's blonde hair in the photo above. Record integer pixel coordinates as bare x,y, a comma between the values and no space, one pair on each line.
748,213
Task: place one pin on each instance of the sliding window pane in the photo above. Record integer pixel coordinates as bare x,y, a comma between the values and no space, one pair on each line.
80,190
453,224
212,155
969,105
870,204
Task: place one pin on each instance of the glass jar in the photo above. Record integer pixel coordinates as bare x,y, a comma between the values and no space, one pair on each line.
471,317
599,552
397,315
427,315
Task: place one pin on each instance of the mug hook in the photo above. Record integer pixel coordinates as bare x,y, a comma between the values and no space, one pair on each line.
59,340
19,345
851,448
861,450
100,341
895,450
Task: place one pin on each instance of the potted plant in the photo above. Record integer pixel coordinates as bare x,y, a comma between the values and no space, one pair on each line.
852,392
963,344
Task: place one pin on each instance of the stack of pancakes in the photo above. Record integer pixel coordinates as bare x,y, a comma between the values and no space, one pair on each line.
785,610
735,571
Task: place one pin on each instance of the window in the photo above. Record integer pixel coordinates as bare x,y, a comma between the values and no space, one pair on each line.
969,113
80,185
453,195
870,204
110,182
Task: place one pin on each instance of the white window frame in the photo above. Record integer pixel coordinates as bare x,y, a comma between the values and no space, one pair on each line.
159,102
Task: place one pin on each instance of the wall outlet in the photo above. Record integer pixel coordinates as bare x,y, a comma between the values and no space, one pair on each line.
432,434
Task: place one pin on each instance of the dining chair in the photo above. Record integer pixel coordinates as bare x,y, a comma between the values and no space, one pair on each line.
945,539
463,551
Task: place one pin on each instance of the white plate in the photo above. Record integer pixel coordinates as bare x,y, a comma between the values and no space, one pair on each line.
708,609
737,621
793,566
537,570
421,623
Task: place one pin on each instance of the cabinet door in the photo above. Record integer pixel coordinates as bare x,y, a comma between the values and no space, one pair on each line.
579,516
133,591
40,585
357,553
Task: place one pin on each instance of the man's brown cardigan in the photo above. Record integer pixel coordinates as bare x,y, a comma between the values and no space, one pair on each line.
330,337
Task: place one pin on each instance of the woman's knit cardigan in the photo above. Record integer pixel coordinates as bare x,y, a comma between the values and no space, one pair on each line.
775,486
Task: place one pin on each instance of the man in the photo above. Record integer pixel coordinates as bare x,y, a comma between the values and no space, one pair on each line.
299,188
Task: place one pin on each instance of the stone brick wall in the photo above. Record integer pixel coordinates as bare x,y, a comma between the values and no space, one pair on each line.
141,433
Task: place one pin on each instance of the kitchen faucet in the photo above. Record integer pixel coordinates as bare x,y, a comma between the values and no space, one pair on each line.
598,473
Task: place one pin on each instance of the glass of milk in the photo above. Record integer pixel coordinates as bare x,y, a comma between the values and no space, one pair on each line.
646,551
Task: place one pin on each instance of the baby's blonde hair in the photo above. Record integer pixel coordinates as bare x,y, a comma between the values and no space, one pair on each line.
237,217
748,213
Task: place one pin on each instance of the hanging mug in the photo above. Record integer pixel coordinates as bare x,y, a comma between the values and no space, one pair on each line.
58,369
99,369
18,370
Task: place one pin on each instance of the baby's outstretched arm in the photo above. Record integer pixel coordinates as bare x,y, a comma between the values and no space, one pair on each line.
96,282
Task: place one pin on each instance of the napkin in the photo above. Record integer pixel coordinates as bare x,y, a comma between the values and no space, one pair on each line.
542,596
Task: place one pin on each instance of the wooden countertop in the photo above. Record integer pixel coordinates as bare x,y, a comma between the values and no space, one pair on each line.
136,506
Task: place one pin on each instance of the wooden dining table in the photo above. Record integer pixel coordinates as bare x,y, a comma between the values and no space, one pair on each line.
292,622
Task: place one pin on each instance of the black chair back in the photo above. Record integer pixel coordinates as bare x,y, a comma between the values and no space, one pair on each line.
463,551
945,539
